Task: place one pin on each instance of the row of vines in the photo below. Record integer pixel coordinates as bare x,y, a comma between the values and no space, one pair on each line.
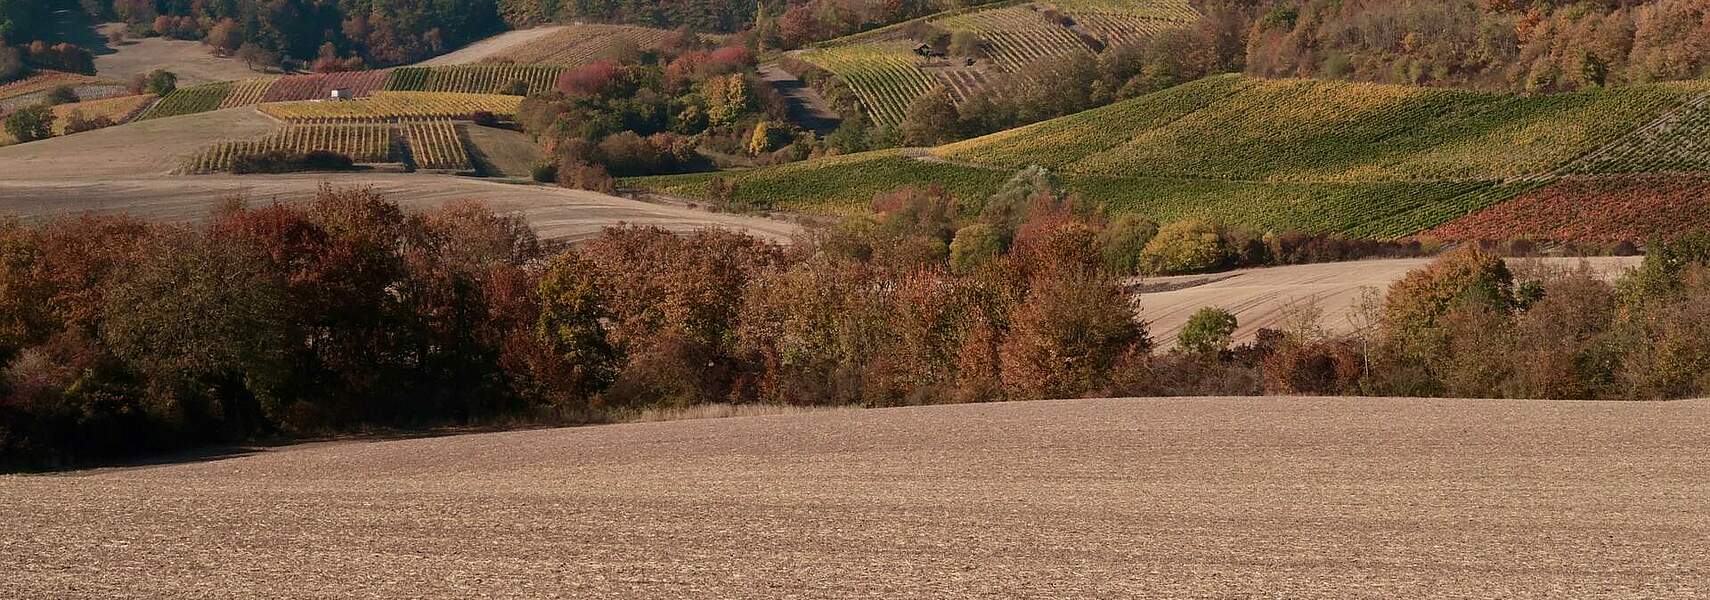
432,144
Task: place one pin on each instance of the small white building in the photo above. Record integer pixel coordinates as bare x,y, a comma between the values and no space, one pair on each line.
341,94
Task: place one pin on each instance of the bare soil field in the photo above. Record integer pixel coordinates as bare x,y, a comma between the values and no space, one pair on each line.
1263,298
128,169
191,61
1177,498
493,46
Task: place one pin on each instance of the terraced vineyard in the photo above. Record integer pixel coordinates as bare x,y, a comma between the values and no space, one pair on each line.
475,79
1363,160
1172,10
362,143
190,100
437,145
961,83
884,76
395,106
1117,29
887,76
577,45
1016,36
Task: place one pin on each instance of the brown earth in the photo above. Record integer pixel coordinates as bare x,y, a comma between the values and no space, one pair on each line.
1179,498
127,168
492,46
1264,298
191,61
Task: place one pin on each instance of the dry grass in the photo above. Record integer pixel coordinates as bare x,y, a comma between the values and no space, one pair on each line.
716,411
1183,498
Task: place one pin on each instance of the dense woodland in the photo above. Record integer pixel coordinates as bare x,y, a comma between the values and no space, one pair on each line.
347,313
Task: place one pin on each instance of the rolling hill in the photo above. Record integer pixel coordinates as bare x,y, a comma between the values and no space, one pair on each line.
1359,159
882,69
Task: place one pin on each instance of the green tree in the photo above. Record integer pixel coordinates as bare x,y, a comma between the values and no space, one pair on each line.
572,306
1122,241
30,124
931,120
973,246
204,321
1209,331
160,82
1192,246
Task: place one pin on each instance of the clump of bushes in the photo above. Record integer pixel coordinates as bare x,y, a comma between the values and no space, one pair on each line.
285,161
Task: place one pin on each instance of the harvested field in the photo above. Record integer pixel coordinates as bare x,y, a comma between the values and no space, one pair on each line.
1262,298
1179,498
193,62
493,46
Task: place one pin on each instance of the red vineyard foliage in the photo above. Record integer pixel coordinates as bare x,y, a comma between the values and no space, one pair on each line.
319,85
1594,209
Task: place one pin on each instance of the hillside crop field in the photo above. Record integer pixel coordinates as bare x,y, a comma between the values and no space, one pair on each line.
118,110
436,145
1141,498
475,79
191,100
881,68
393,106
362,143
1359,159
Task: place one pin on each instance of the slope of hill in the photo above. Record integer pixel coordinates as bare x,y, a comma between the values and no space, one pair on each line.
1360,159
129,168
882,69
1304,498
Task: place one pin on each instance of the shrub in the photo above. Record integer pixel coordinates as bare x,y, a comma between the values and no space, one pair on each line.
1324,367
1068,335
544,172
1123,241
1208,332
1193,246
30,124
285,161
974,246
62,94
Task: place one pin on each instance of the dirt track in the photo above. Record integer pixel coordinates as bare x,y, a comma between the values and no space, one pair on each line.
1262,297
1190,498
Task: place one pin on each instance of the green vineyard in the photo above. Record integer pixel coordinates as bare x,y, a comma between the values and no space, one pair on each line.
1678,142
885,76
362,143
1359,159
1237,128
476,79
1016,36
885,73
436,145
188,101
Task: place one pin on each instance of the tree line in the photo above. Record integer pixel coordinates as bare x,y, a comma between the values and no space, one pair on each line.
345,313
